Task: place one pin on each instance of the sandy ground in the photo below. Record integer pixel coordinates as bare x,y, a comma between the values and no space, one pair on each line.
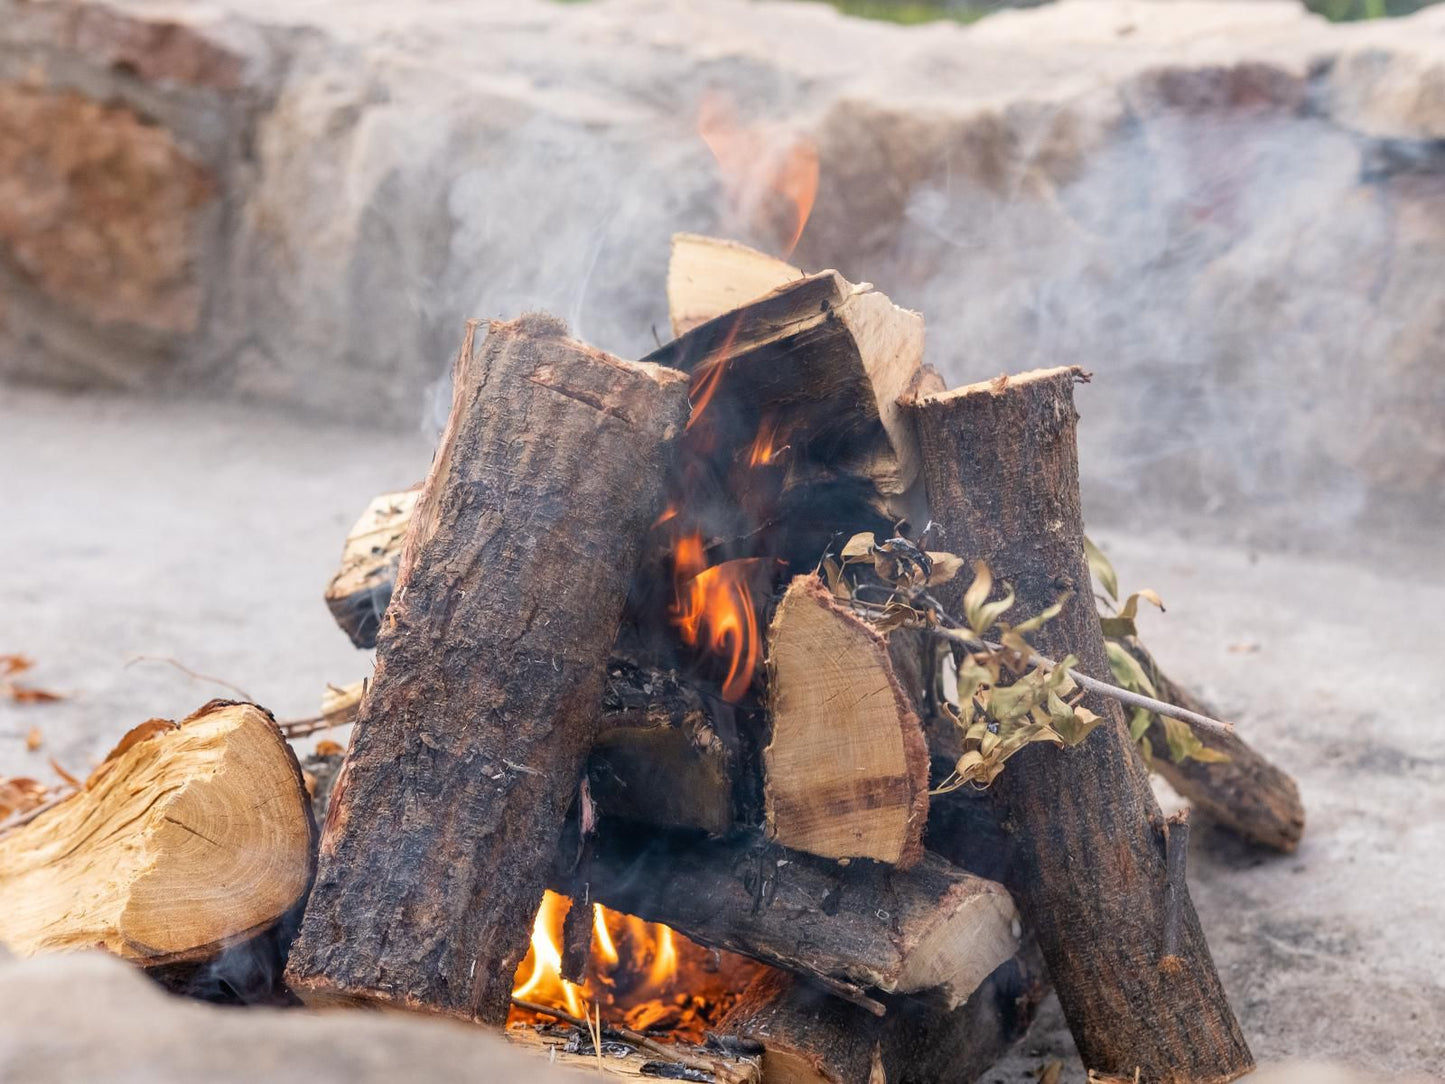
136,531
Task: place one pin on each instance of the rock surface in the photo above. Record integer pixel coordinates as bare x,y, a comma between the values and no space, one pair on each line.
91,1017
1234,214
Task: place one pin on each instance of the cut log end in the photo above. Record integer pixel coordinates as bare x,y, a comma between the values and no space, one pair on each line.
847,766
197,836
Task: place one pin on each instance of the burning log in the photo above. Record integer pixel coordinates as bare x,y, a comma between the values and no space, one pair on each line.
189,838
1246,792
847,766
658,758
933,929
708,276
811,1037
1088,864
472,736
821,356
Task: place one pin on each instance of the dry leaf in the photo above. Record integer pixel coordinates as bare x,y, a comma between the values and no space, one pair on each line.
34,740
945,567
21,694
1051,1072
328,748
21,795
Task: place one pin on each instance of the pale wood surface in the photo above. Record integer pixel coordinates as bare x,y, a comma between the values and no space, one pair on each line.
197,836
847,765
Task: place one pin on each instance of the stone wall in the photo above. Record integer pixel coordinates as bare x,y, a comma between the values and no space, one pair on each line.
1234,214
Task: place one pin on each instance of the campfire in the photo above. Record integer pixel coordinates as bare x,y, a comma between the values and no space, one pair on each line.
741,713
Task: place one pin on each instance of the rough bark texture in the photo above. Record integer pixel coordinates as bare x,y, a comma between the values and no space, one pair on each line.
1246,793
847,765
490,665
1088,863
934,928
810,1036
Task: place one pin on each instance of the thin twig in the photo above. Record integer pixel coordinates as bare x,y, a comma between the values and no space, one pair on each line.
636,1038
1093,685
242,693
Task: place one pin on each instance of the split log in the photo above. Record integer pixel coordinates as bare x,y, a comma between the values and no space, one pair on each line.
188,839
933,929
821,357
847,766
810,1037
1246,793
491,662
359,592
1088,864
708,276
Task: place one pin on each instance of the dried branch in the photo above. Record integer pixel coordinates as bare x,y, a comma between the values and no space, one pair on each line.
1093,685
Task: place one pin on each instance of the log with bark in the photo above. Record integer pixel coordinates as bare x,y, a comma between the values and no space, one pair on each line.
491,660
811,1037
358,594
189,838
1088,862
846,764
933,929
1246,793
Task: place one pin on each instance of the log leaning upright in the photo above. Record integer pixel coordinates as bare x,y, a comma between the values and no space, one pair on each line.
1001,467
471,740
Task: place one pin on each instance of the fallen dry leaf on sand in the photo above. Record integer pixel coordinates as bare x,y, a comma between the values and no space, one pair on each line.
10,665
34,740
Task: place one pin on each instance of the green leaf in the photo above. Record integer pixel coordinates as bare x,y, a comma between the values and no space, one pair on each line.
1101,568
1184,744
1037,622
1128,674
1139,723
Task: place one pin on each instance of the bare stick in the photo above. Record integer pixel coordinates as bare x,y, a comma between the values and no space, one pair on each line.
1093,685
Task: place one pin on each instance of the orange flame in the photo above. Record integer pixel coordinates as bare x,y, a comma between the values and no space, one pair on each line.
714,608
766,446
544,982
539,978
761,165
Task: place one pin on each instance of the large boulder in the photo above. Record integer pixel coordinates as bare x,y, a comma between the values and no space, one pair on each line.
91,1017
1233,214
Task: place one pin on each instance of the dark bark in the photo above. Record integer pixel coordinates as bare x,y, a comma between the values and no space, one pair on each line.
809,1035
1246,793
934,928
491,660
1088,863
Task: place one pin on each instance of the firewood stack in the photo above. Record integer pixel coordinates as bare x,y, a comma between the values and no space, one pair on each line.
628,651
